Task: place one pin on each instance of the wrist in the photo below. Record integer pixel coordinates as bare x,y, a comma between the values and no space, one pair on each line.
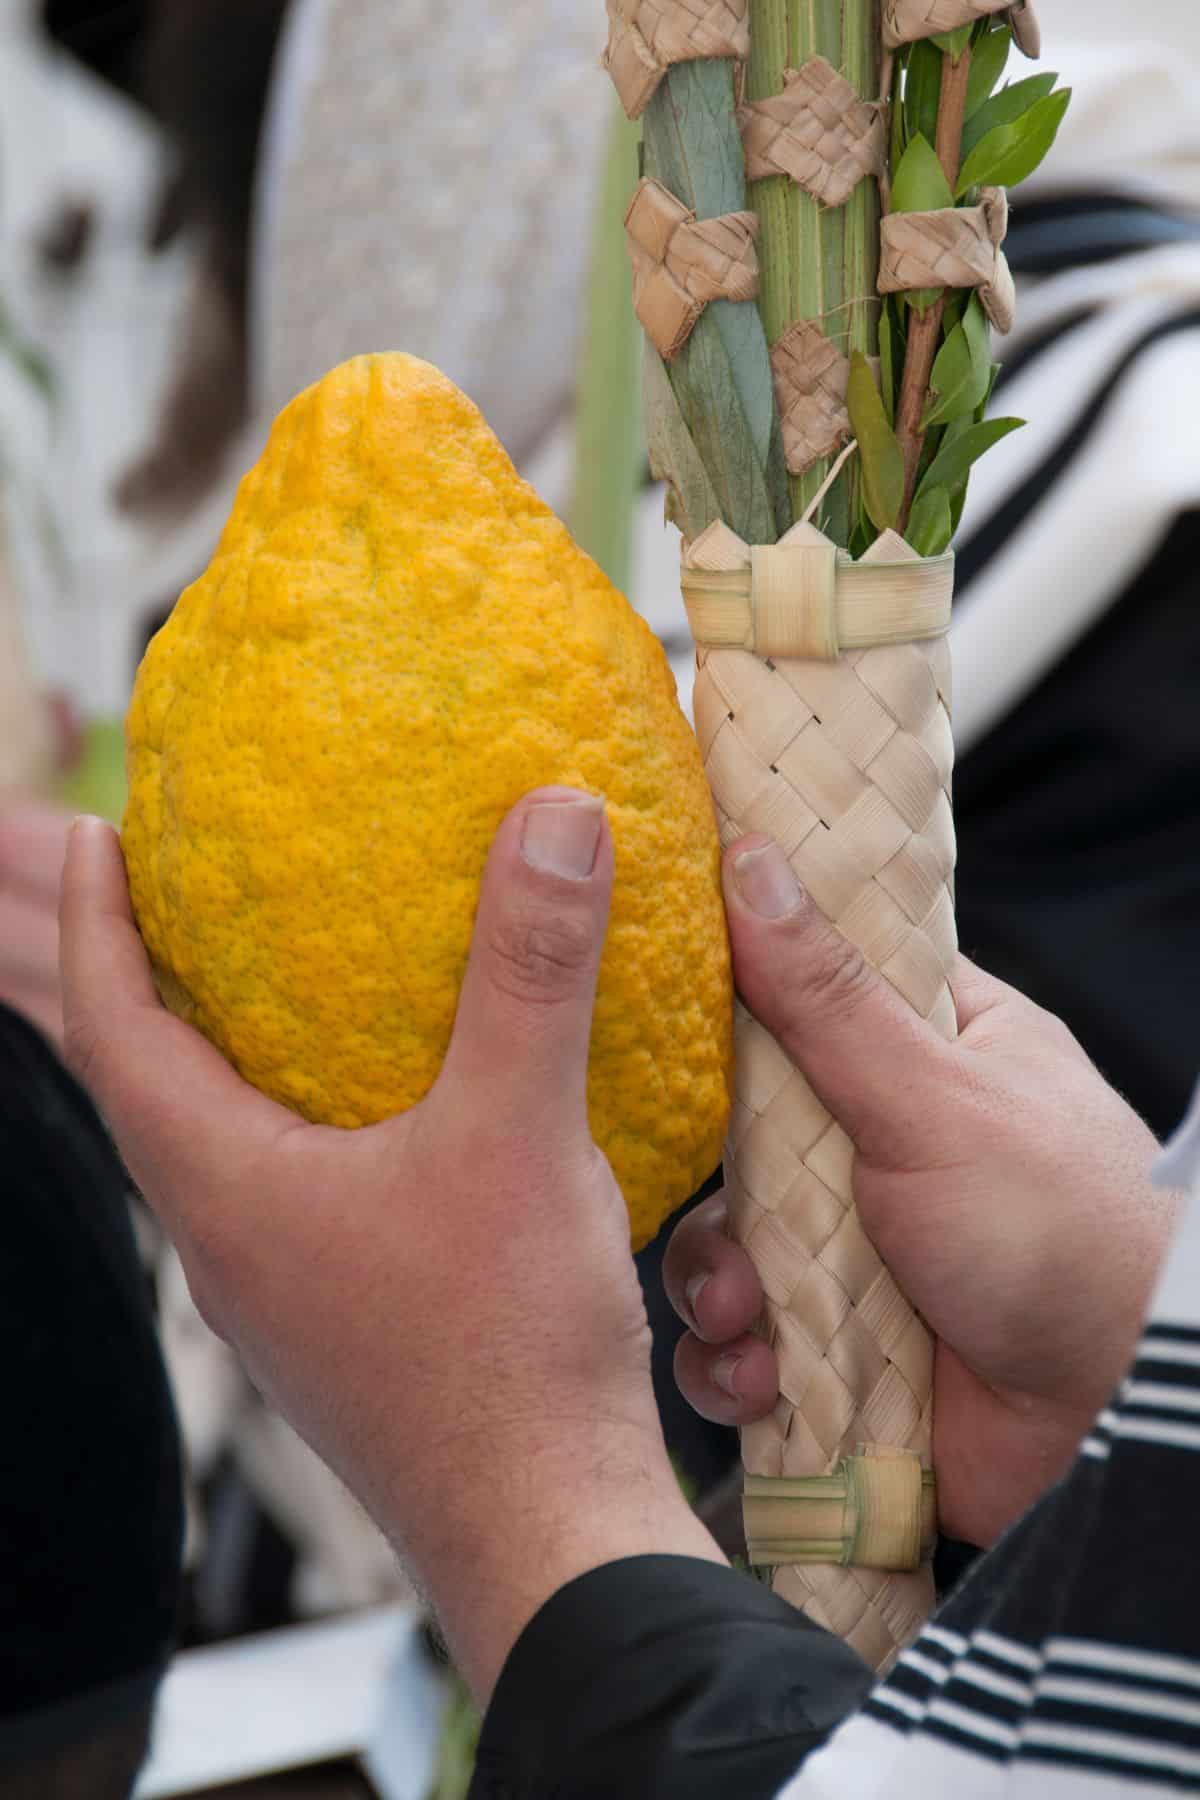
502,1542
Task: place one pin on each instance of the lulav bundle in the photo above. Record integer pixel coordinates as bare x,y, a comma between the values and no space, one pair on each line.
816,441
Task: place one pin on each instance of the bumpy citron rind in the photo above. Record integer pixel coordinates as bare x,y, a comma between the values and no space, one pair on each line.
394,641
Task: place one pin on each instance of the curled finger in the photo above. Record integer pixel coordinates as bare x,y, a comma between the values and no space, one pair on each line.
732,1383
710,1280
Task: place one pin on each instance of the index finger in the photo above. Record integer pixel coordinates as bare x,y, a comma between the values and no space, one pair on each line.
181,1115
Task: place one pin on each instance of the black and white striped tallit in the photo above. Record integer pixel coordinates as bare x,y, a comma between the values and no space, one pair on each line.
1104,365
1069,1663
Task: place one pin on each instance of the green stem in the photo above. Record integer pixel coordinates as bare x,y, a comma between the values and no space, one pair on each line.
608,425
818,263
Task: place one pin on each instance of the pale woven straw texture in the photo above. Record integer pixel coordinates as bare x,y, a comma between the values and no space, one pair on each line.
906,20
955,247
848,766
646,37
817,132
680,262
811,377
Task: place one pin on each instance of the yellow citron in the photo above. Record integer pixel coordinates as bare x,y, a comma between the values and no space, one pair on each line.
395,640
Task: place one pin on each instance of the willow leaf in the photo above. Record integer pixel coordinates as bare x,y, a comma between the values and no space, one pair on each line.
899,132
879,453
691,498
721,379
707,388
887,363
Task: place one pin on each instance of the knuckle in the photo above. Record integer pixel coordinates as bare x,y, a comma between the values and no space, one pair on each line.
537,959
832,978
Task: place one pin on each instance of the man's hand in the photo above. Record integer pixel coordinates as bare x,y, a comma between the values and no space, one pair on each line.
33,840
1003,1182
445,1304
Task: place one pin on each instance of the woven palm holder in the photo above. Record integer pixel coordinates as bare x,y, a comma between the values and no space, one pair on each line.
805,597
817,132
955,247
680,263
647,37
845,759
876,1511
810,376
904,21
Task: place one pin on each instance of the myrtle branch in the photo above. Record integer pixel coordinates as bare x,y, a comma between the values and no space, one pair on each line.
925,329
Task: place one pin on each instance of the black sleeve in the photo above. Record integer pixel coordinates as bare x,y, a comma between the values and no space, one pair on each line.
91,1498
660,1677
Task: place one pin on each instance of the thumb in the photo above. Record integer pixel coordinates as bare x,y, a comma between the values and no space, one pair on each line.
868,1056
524,1016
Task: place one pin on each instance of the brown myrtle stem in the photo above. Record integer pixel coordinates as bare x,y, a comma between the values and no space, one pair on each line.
925,329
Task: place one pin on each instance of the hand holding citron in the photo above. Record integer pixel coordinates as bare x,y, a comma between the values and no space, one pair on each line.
394,641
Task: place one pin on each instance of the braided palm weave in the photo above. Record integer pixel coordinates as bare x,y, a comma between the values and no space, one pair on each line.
817,132
647,37
848,766
905,20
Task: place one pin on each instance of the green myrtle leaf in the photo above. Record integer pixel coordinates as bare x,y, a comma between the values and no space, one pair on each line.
960,450
980,339
950,381
953,42
879,453
987,65
919,184
929,526
921,299
1005,108
922,89
958,499
981,409
949,435
1008,154
961,375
